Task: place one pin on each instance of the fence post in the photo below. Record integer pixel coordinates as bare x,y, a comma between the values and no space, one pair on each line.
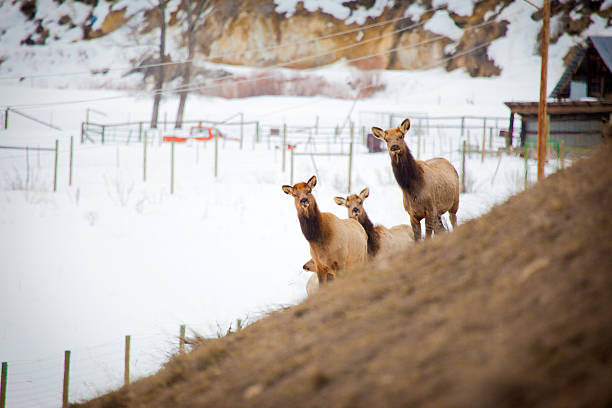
3,384
241,128
284,146
139,131
82,132
144,158
291,177
419,130
490,138
6,118
103,127
27,150
463,168
469,152
216,153
126,371
350,169
317,126
182,339
71,157
562,154
526,163
484,136
257,135
66,379
172,168
462,125
55,169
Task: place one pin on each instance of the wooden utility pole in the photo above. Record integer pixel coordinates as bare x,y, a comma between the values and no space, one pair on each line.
542,111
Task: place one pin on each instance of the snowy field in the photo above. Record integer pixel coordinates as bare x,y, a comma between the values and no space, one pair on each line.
112,255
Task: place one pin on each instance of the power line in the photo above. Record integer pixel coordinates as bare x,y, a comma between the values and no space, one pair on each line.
200,88
217,56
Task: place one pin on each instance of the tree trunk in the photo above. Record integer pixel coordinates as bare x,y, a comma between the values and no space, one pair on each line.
159,78
192,17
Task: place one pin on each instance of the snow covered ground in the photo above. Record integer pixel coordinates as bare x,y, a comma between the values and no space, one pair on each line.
112,255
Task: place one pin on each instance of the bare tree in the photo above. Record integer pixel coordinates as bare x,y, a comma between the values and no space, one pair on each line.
194,11
159,77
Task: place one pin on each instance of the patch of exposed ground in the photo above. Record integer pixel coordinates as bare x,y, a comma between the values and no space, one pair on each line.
511,309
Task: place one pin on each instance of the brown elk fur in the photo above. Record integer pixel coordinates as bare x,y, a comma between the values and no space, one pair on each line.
430,188
382,241
335,244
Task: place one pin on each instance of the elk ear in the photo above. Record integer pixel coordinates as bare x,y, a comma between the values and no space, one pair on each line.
340,200
364,193
309,266
378,132
312,182
405,126
288,190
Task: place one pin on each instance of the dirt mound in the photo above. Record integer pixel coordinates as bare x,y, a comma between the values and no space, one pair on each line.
511,309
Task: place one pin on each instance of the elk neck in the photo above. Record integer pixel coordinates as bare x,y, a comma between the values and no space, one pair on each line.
311,223
407,173
372,233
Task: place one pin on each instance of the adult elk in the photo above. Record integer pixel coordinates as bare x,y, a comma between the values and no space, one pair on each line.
382,241
335,244
430,188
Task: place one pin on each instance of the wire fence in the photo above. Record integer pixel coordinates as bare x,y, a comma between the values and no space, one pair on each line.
86,372
216,142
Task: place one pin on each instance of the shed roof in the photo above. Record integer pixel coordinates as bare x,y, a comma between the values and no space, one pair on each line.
603,46
561,108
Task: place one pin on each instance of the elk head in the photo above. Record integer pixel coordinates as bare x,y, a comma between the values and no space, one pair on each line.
302,194
354,203
394,138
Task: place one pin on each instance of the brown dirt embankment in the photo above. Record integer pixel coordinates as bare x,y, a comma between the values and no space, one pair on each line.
511,309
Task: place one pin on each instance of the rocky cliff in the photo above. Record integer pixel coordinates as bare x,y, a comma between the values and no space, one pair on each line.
366,34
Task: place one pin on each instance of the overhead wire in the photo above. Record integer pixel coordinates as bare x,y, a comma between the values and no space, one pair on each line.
245,80
189,87
223,54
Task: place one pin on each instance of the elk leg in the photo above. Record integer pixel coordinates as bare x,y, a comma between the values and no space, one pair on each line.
438,226
452,214
430,223
453,219
322,274
416,227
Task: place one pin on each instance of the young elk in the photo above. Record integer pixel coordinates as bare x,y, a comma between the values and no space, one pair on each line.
335,244
382,241
430,187
313,282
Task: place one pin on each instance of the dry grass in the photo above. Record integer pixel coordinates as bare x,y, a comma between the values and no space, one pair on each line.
511,309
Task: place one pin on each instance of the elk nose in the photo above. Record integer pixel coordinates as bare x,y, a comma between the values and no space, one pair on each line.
304,201
355,210
395,148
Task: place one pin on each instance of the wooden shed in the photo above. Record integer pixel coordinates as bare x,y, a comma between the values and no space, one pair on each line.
583,99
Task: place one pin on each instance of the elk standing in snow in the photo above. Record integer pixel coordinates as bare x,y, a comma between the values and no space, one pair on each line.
335,244
430,187
382,241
